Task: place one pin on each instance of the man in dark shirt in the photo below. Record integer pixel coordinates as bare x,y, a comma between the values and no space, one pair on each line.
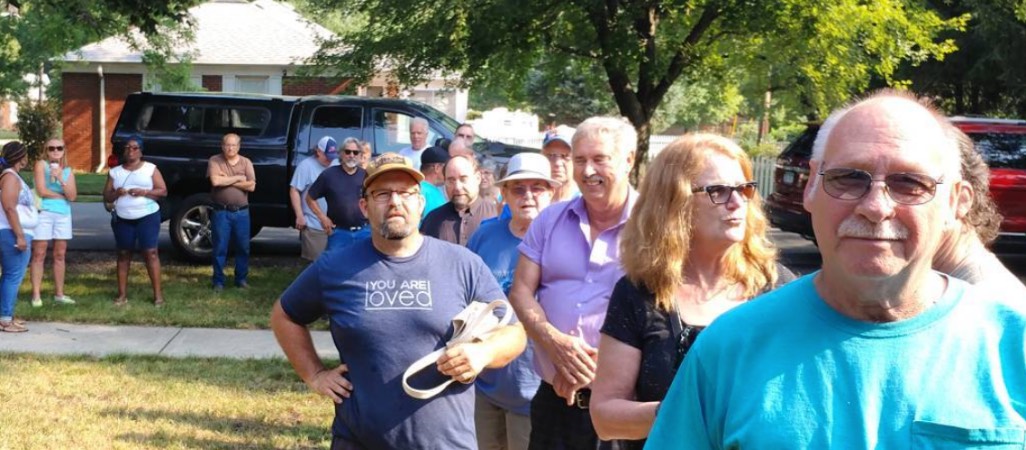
232,178
340,186
457,220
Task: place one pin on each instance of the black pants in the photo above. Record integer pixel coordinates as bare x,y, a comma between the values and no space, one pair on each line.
556,426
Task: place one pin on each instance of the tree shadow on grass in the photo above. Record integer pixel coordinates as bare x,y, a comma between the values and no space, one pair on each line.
258,434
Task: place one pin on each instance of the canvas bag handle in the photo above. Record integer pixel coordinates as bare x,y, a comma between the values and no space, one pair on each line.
473,323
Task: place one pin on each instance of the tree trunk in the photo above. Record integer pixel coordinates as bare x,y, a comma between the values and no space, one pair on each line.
641,155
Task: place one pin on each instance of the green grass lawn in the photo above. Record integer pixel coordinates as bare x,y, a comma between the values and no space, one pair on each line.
144,402
90,185
190,302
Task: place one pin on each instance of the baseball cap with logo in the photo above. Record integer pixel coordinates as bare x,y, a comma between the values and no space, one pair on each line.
390,162
528,166
557,135
328,145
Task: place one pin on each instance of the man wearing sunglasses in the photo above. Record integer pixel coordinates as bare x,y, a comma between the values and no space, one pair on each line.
340,187
875,350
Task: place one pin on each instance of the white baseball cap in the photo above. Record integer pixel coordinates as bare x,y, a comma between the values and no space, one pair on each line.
529,166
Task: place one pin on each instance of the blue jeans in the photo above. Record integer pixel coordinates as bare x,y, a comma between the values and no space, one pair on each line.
230,227
12,270
343,238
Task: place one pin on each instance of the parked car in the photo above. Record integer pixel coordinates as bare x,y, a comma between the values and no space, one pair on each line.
1002,143
181,131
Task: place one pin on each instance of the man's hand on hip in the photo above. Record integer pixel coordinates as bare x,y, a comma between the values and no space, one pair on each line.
331,383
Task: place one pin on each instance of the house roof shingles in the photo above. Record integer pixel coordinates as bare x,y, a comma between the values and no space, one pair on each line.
262,32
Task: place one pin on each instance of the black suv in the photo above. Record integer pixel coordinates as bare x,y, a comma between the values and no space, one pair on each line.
1002,143
181,131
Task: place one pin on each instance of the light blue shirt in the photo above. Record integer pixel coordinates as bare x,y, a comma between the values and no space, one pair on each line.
511,387
306,173
788,371
56,205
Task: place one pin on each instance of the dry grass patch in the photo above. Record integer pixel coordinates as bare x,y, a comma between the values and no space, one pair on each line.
140,402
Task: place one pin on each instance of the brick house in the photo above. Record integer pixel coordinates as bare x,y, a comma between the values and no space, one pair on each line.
238,46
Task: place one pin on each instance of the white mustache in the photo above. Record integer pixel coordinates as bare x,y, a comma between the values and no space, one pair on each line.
858,227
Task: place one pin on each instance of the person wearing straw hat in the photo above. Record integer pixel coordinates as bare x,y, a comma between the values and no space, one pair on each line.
391,300
502,413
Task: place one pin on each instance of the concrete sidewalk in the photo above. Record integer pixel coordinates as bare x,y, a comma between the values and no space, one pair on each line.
101,340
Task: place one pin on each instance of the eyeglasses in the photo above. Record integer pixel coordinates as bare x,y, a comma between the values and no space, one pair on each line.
720,193
58,148
352,152
521,191
903,187
385,196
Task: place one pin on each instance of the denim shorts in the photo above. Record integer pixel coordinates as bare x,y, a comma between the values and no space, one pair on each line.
136,234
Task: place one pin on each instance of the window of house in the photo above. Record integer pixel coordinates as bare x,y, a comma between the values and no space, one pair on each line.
339,122
251,84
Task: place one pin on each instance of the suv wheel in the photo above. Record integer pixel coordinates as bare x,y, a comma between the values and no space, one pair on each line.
190,228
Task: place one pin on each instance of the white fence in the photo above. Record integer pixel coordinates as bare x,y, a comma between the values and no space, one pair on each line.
763,165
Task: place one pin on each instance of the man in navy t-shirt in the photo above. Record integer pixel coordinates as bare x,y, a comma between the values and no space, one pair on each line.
341,186
390,300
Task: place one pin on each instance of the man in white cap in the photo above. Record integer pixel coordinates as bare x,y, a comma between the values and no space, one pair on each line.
502,414
312,237
390,300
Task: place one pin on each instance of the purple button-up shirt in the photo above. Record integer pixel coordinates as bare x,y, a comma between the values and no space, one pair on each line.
577,275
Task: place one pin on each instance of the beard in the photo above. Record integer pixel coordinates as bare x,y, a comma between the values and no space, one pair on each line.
350,164
395,231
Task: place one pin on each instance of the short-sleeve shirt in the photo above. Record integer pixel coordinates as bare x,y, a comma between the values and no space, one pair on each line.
342,192
230,195
577,275
634,319
385,313
448,224
414,155
306,173
511,387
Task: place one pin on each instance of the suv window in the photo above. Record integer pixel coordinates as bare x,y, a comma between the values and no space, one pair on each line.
1002,150
392,131
174,118
241,121
339,122
199,119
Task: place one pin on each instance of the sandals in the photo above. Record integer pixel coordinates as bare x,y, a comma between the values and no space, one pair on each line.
11,326
159,303
121,301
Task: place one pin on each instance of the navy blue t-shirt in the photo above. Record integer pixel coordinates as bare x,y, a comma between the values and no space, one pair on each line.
386,313
342,192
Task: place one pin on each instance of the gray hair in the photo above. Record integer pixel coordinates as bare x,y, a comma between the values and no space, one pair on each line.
352,140
614,129
419,120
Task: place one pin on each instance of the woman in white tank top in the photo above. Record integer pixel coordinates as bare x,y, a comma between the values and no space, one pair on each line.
16,223
134,188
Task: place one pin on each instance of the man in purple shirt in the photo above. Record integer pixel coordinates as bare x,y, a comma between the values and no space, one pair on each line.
568,265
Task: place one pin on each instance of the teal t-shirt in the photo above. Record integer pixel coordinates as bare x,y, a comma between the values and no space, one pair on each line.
788,371
433,198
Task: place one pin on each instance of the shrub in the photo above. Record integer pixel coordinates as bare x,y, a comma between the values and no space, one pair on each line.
37,122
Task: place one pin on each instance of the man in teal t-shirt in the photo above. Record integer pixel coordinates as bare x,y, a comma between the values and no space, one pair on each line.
876,350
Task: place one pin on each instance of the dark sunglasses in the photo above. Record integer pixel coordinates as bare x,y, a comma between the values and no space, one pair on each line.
720,193
904,188
352,152
58,148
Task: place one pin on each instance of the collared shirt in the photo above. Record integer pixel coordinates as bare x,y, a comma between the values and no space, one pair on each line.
448,224
577,274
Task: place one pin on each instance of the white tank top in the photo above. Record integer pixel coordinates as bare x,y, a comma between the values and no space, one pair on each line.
128,206
27,213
